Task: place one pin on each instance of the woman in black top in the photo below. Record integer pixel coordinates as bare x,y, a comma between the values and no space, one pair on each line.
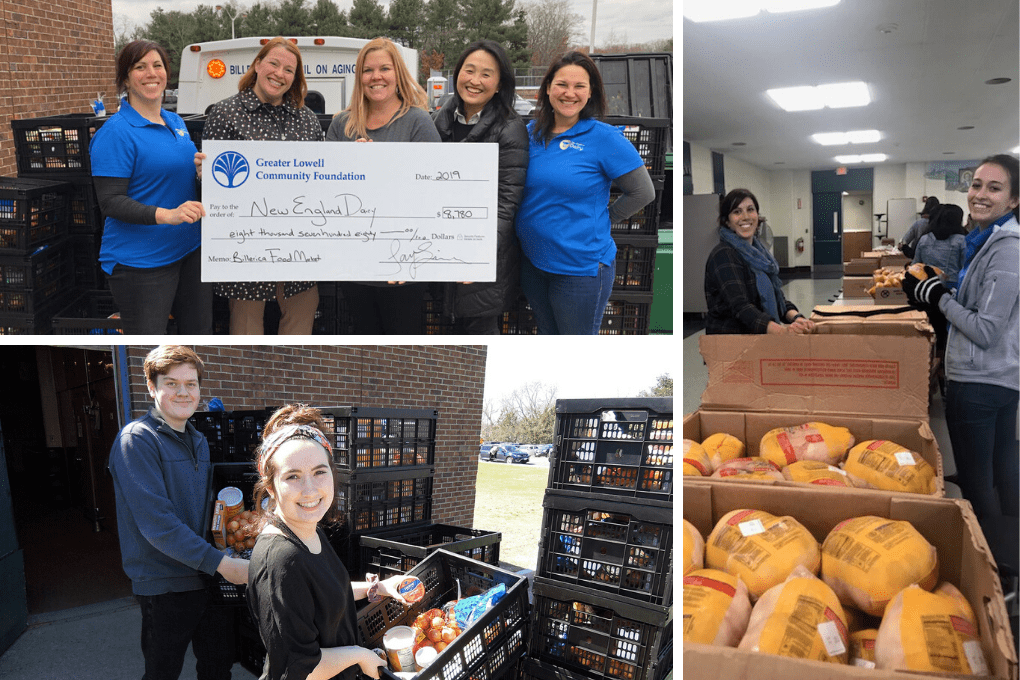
482,110
742,283
299,592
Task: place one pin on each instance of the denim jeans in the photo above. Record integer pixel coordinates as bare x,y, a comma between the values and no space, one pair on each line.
567,305
171,620
982,429
147,297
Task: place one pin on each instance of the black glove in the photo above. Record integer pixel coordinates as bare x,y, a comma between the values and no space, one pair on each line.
926,293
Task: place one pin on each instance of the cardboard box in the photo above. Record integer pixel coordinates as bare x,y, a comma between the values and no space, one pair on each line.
861,266
866,320
834,371
948,524
896,260
749,427
891,295
877,386
857,286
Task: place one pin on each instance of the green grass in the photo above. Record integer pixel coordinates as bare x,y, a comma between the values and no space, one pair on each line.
508,499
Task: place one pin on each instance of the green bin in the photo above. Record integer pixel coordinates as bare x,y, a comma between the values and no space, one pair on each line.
661,322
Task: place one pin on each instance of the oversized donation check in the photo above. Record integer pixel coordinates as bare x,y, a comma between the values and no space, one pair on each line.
328,211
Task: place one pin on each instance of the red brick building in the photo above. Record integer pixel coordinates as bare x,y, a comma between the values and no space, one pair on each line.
55,57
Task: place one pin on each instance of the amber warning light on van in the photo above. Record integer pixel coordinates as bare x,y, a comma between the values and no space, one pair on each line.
216,68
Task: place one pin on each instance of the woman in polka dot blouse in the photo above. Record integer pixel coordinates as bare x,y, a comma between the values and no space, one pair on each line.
269,105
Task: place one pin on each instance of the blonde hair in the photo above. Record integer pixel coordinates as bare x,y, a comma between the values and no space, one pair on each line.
410,93
298,88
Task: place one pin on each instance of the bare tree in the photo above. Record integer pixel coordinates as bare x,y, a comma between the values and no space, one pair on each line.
527,415
551,28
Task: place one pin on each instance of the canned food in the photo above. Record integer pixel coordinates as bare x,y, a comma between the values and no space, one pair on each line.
411,589
233,502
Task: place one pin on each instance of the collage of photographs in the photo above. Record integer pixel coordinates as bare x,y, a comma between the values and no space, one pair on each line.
286,408
851,339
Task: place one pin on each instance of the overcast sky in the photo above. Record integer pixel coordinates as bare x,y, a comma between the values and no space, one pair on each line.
580,368
632,21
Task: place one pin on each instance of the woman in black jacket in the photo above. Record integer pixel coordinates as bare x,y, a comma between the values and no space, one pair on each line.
481,110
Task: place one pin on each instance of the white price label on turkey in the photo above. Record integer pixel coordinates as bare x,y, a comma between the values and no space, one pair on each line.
864,663
831,638
751,527
975,657
905,458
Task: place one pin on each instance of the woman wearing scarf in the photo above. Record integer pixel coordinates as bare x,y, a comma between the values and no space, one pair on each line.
742,283
983,348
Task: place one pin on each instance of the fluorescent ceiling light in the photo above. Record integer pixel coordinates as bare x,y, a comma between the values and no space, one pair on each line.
777,6
808,98
865,158
719,10
852,137
707,10
844,95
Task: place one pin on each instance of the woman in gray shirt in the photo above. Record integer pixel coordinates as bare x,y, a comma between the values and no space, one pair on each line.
387,105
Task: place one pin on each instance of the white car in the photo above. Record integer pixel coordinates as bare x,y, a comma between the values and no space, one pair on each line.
530,449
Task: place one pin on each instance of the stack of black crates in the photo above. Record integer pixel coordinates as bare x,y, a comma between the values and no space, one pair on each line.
50,223
603,590
385,465
637,238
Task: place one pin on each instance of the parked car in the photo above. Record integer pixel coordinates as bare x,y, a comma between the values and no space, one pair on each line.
544,450
530,449
508,453
522,106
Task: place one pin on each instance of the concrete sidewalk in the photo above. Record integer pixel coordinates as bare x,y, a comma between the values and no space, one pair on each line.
95,642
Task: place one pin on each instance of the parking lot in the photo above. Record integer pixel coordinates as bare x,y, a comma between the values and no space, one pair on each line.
539,462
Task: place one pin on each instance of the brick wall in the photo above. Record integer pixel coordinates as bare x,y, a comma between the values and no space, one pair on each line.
448,378
55,57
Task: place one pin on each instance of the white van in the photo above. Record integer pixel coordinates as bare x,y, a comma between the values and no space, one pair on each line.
210,71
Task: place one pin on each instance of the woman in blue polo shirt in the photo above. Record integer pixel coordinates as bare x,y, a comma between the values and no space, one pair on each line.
564,219
145,170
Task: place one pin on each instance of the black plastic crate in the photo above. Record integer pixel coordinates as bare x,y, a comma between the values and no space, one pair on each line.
91,313
83,215
384,499
33,212
643,222
397,552
597,541
243,476
635,263
600,636
54,144
23,323
384,438
211,425
249,651
627,313
490,648
85,268
619,447
38,269
650,136
242,433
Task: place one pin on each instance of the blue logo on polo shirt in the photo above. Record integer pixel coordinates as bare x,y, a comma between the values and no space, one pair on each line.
230,169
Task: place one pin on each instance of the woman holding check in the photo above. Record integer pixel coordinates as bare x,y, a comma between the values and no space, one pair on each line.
387,105
144,171
270,105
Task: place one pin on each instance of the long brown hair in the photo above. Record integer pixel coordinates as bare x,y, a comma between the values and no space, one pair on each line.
409,92
298,88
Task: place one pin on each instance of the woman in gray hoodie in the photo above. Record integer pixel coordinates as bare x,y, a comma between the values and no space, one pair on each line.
983,349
